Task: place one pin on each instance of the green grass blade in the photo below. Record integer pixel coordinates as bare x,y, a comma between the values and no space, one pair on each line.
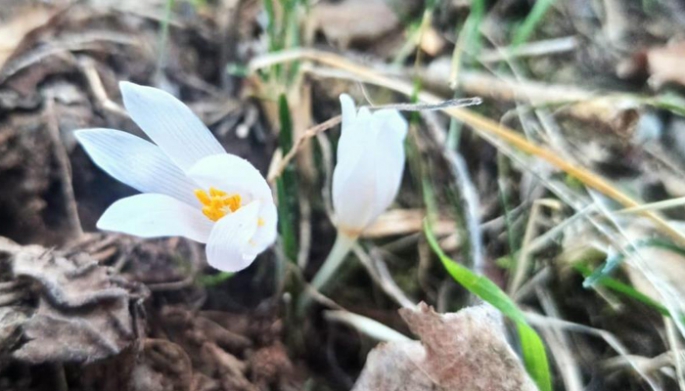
271,26
286,185
671,102
215,279
163,38
615,261
526,29
534,354
472,40
619,287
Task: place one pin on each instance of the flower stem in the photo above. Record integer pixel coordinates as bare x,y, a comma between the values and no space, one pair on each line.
343,245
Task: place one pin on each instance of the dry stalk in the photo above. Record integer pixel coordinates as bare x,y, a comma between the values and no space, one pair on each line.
533,49
62,158
299,142
545,322
614,110
560,345
378,271
524,258
87,66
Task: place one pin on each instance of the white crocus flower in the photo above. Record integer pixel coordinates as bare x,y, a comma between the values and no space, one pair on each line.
370,163
366,178
192,187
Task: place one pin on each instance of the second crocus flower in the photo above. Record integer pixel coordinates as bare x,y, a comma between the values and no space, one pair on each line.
367,176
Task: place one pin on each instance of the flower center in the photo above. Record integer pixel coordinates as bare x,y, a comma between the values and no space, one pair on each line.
217,203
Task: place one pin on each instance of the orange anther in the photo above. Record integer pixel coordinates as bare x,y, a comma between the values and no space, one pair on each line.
214,192
217,203
202,196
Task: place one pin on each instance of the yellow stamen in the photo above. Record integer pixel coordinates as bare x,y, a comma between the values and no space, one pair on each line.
217,203
260,222
202,196
214,192
233,202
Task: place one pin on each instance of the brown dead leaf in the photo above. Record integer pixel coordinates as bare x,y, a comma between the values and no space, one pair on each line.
354,20
82,312
666,267
11,320
23,22
464,351
405,222
271,366
70,283
226,368
667,64
663,64
163,366
192,330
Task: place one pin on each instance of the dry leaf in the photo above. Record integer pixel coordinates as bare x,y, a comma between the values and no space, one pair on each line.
667,64
353,20
464,351
11,320
432,42
164,366
271,365
192,330
229,371
667,267
405,222
14,31
663,64
208,344
82,313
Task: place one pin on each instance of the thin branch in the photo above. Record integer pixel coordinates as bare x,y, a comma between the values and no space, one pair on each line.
63,164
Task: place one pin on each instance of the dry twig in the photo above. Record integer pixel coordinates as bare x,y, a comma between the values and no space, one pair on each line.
64,169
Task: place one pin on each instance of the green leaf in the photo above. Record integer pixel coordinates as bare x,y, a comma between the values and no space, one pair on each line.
619,287
668,101
271,26
534,354
215,279
526,29
616,260
286,185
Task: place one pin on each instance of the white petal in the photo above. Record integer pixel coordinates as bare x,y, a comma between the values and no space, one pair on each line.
267,232
389,157
392,123
354,139
231,174
230,245
348,110
354,195
170,124
369,170
155,215
136,162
